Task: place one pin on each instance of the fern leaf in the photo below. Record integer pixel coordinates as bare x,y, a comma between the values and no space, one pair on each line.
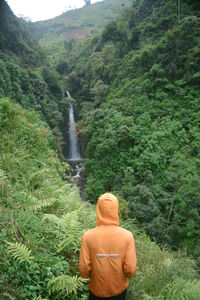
20,252
42,204
182,290
65,284
56,220
63,189
191,290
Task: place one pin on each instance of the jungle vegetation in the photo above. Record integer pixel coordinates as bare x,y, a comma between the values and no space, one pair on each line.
42,219
58,35
136,90
26,76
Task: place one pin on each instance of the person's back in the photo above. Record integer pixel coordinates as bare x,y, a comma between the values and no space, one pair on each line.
107,253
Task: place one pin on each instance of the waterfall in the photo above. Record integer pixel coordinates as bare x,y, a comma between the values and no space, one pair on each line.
73,137
68,94
74,157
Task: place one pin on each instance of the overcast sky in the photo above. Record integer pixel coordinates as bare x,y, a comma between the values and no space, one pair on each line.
38,10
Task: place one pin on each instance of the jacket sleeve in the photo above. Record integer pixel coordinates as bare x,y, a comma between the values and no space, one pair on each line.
130,260
84,259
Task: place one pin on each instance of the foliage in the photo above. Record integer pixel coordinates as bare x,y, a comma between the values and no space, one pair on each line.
43,219
20,252
182,290
138,87
60,35
15,40
30,175
65,285
33,90
26,76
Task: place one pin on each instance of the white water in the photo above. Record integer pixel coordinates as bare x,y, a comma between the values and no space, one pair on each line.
78,169
75,159
73,137
68,94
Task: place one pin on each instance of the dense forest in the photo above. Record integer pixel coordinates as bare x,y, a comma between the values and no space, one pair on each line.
26,77
135,87
58,35
138,94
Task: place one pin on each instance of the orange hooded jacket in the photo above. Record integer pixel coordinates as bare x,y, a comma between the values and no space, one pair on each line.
107,254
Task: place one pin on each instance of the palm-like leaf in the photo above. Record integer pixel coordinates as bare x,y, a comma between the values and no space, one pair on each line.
20,252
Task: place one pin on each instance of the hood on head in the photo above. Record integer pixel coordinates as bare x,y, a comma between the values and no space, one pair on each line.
107,210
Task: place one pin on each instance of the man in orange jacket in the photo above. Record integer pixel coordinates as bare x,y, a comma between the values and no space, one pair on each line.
107,254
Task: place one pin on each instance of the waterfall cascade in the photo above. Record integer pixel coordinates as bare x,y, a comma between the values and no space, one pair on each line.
73,137
68,94
74,156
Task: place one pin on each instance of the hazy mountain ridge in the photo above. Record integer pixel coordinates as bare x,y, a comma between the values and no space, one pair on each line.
79,23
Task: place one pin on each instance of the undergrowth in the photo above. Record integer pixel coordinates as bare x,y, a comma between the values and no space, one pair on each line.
42,220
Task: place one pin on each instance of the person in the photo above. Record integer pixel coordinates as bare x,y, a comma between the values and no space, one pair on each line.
107,254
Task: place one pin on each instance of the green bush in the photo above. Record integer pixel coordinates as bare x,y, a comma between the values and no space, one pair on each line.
43,219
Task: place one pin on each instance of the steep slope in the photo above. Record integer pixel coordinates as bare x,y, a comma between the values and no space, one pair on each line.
41,216
76,24
25,75
138,87
42,220
15,39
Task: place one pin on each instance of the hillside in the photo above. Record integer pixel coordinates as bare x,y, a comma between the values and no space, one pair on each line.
16,41
137,90
42,220
76,24
25,74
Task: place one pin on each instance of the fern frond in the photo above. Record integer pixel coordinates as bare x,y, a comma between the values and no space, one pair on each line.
65,284
20,252
56,220
71,201
64,205
64,189
182,290
70,217
191,290
42,204
74,231
87,216
70,244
